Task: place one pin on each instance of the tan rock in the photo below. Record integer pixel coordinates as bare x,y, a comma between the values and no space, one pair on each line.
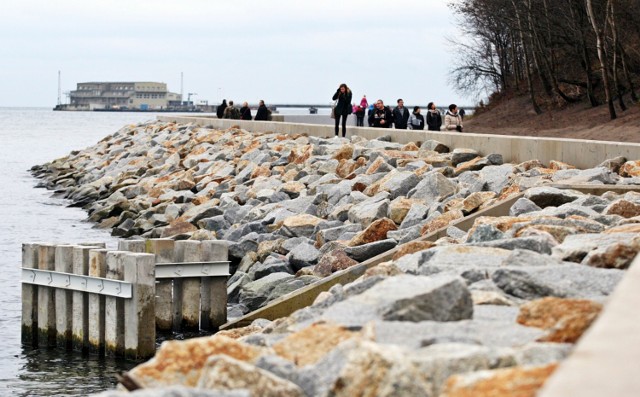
441,221
373,168
376,231
383,371
412,247
454,204
564,319
289,175
237,333
410,147
559,233
344,153
312,343
225,373
181,362
293,188
346,167
630,168
178,227
508,192
300,154
530,164
559,165
480,297
624,208
268,246
399,208
510,382
627,228
475,200
615,256
332,262
471,165
385,269
262,170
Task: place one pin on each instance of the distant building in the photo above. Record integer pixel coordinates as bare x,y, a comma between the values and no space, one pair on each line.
142,95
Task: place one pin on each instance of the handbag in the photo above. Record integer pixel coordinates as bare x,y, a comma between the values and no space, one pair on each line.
333,109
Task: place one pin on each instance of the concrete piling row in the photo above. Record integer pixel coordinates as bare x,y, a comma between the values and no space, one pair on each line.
63,304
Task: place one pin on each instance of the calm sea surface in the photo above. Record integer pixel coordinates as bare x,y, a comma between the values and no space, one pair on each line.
31,136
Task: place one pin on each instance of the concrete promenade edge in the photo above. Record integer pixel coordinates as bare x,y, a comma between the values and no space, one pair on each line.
514,149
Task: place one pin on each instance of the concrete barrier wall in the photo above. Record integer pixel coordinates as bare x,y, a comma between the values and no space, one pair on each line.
581,153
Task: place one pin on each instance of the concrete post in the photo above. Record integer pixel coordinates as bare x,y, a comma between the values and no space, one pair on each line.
132,245
114,307
29,298
163,250
97,268
64,307
81,300
46,301
214,289
178,256
139,311
191,250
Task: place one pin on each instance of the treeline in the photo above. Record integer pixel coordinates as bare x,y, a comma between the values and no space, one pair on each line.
555,50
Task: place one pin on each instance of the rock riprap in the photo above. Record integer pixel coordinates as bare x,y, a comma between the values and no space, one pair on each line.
502,302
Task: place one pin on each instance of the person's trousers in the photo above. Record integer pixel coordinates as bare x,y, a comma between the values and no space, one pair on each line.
344,124
360,121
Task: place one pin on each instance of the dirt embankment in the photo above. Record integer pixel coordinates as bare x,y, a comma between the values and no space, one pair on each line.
515,116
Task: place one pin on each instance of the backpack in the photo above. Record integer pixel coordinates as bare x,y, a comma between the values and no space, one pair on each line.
269,118
235,113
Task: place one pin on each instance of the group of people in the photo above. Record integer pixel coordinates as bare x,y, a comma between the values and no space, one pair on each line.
381,116
229,111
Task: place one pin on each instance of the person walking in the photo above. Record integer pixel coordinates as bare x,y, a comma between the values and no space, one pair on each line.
220,109
452,119
434,119
263,113
400,116
245,111
381,116
343,108
416,120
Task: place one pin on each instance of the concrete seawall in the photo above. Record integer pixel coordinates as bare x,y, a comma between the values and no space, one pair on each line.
580,153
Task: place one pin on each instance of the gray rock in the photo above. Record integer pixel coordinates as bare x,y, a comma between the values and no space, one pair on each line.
370,210
217,223
288,286
176,391
303,255
461,155
235,284
255,294
542,244
417,213
433,187
575,247
289,244
598,175
525,285
405,298
366,251
497,177
333,233
484,233
534,354
399,183
435,146
456,233
407,234
525,257
523,206
550,196
263,269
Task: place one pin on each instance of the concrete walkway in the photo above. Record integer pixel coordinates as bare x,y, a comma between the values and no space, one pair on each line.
606,361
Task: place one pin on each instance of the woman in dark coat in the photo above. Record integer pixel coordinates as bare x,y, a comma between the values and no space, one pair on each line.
221,108
434,119
262,114
245,112
343,107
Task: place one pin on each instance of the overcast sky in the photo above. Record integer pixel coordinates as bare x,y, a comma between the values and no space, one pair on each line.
285,51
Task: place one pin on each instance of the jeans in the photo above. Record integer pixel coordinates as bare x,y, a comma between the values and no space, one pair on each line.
359,121
344,124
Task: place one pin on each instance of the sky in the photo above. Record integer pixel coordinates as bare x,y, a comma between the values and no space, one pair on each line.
285,51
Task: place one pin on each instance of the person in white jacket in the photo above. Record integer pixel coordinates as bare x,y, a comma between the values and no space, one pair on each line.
452,119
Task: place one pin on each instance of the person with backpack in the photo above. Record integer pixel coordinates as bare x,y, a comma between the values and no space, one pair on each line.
416,120
231,112
360,116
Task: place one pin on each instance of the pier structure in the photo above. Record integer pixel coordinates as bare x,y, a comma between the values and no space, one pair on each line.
93,300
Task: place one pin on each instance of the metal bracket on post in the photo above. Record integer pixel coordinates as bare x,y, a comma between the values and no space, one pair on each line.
75,282
192,269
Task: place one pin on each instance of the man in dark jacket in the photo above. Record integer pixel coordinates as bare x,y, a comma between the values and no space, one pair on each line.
263,112
400,116
221,108
381,116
